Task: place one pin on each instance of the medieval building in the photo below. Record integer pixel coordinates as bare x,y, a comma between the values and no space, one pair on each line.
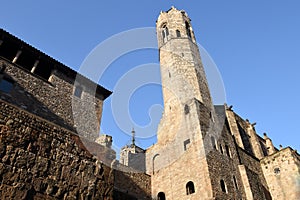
50,117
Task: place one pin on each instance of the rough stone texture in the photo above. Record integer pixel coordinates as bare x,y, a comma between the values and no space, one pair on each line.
134,157
130,185
54,100
46,88
182,73
198,142
172,165
282,172
39,160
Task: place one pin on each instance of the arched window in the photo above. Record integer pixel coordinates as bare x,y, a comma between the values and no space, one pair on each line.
188,29
213,142
190,189
165,32
178,33
223,186
161,196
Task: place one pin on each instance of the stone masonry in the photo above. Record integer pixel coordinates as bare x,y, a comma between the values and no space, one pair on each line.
50,117
40,160
205,151
47,88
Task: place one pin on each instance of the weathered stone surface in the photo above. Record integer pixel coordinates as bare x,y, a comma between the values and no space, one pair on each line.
53,99
40,160
131,185
282,172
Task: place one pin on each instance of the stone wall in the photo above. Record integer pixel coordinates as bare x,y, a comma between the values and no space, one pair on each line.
40,160
223,165
53,99
131,185
173,164
254,175
282,173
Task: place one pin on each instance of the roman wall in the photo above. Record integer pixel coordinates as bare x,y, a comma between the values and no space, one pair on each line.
40,160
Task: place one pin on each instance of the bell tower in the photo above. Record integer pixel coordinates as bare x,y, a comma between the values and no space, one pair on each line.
182,72
187,120
183,76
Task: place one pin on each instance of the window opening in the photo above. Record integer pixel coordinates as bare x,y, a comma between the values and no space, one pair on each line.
190,189
223,186
6,85
178,33
188,29
221,149
165,33
186,109
235,183
213,142
277,170
227,150
161,196
186,144
78,91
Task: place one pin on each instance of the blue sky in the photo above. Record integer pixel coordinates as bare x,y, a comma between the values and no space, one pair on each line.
255,46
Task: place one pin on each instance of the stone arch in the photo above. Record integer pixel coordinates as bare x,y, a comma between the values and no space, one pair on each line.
190,188
161,196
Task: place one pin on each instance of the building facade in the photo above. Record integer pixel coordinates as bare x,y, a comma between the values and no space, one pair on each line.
49,115
43,86
206,151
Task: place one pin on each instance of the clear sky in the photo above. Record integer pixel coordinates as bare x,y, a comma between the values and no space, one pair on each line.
254,44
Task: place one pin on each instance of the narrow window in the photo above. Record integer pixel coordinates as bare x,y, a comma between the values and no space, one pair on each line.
235,183
227,151
161,196
186,109
186,144
223,186
188,29
6,85
213,142
190,189
221,149
78,91
178,33
165,33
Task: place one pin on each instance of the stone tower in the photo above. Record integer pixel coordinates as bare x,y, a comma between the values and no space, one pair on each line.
133,156
203,151
188,114
182,72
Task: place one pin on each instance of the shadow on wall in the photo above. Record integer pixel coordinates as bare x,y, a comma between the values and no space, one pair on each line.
39,160
131,186
14,93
